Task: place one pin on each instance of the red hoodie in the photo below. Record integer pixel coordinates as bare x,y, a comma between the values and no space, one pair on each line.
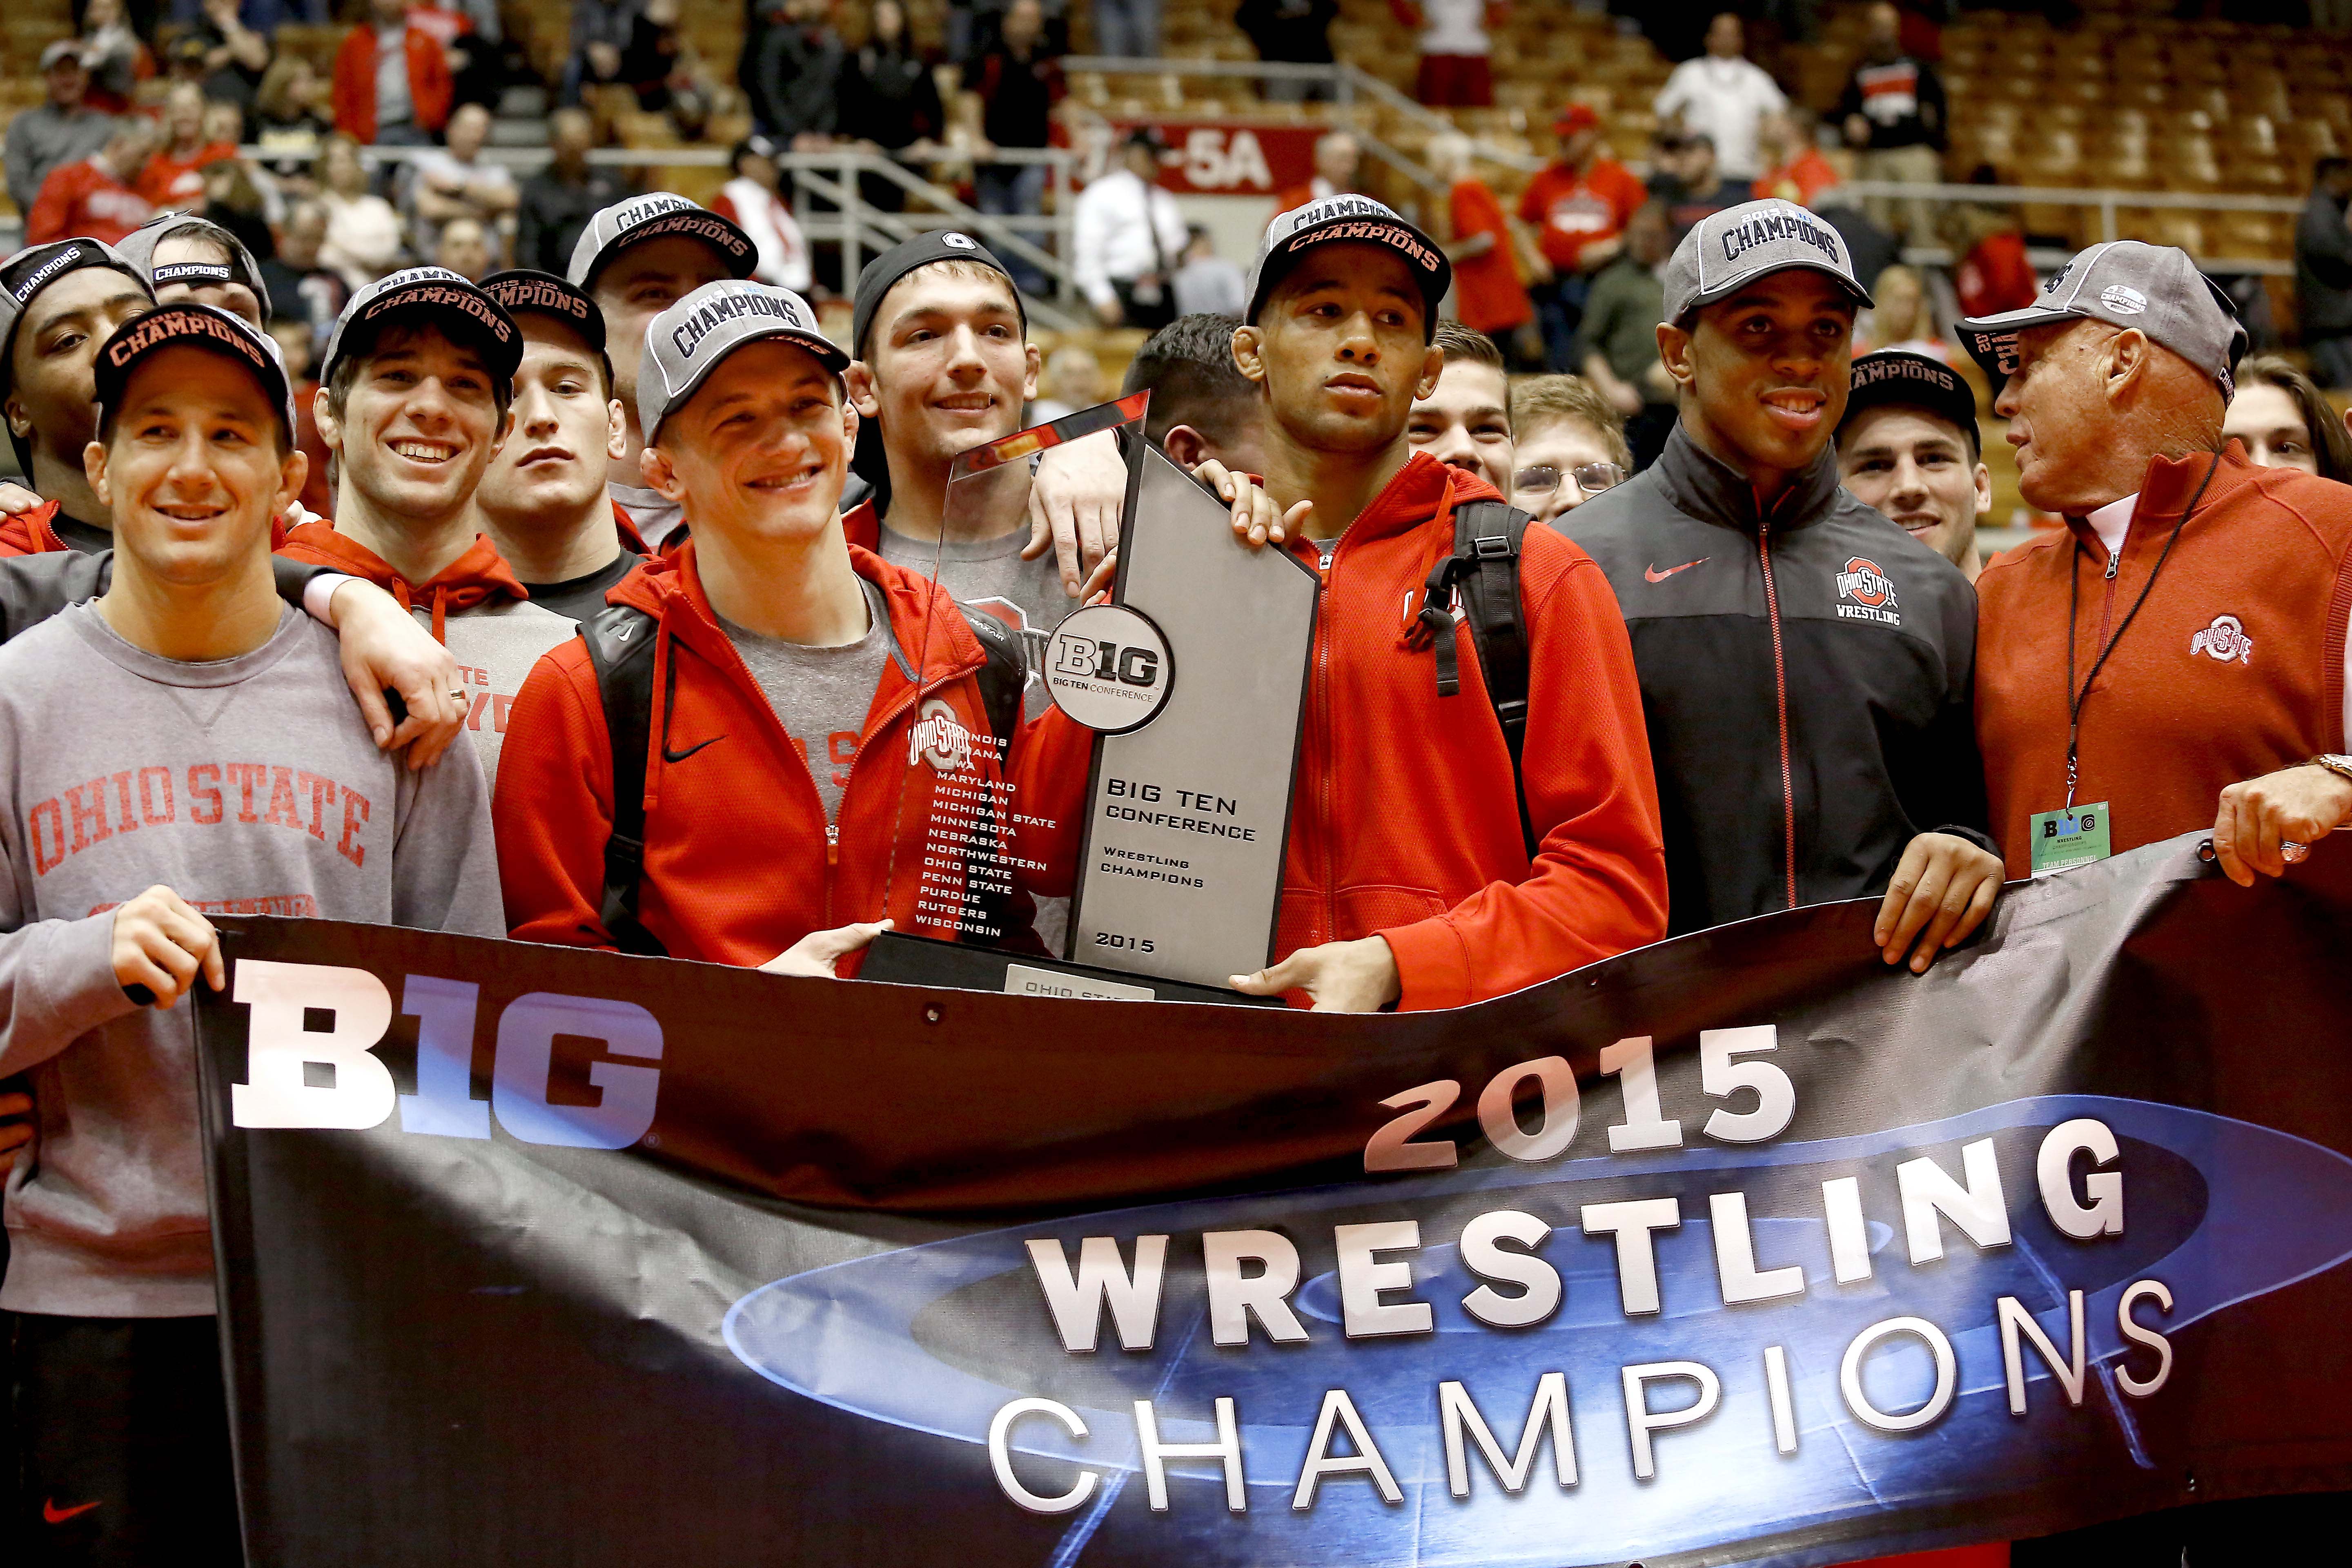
429,86
740,862
1403,819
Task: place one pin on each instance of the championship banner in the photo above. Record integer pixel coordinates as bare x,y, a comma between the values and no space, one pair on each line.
1739,1248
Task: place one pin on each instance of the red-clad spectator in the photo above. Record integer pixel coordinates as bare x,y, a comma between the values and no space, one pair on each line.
378,103
1337,157
173,175
1795,170
1454,70
1488,294
1580,202
89,197
1994,275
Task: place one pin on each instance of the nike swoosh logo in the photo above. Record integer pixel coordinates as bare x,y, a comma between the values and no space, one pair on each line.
670,757
1654,575
51,1513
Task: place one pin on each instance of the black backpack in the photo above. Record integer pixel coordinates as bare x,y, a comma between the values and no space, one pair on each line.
620,641
1484,566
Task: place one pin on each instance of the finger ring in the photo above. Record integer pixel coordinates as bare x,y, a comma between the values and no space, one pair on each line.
456,694
2291,852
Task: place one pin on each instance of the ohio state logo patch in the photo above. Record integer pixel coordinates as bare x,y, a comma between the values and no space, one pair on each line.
2225,640
939,739
1866,593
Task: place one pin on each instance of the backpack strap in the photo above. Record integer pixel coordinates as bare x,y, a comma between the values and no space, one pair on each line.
1484,565
621,639
1004,679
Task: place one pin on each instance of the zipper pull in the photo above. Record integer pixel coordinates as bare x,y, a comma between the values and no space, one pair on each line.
2114,560
832,844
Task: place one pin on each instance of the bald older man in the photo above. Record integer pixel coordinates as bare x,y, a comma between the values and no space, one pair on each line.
2175,655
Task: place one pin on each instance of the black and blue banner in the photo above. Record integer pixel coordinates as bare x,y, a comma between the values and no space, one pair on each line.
1739,1248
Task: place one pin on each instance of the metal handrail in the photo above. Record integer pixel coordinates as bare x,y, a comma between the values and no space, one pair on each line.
2109,202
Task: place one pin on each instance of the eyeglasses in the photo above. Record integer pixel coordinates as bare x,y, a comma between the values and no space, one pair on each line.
1590,478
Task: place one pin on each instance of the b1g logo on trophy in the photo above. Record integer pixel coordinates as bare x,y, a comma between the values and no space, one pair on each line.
1193,680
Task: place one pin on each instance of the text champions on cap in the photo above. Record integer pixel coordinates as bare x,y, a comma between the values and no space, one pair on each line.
169,324
1780,224
536,294
676,214
708,318
72,257
1379,227
462,297
1868,372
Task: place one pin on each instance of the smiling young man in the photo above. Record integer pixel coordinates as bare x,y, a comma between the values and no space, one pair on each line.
1533,875
1465,421
191,704
543,501
415,403
637,259
814,697
1806,668
57,303
1908,446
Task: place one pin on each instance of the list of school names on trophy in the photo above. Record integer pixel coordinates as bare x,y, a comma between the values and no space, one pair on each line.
1194,678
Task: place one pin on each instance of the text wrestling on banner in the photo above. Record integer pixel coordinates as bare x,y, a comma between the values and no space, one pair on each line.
1739,1248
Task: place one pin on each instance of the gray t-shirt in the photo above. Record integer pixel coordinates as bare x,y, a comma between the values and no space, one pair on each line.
393,105
989,575
820,695
247,786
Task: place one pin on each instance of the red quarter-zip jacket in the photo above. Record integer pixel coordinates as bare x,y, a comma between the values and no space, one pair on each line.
2232,669
1403,820
738,861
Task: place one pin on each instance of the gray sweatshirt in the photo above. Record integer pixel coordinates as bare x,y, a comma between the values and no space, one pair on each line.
247,786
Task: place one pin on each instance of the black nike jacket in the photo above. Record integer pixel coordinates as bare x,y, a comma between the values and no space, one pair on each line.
1806,677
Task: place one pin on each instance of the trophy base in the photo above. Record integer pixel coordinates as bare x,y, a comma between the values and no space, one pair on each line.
920,960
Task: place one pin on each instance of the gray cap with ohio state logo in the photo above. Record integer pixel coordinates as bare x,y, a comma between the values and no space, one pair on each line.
2151,289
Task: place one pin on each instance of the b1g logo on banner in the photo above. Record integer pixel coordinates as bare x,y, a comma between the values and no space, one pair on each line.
1110,669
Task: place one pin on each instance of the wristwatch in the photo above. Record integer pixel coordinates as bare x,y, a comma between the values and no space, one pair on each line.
2335,762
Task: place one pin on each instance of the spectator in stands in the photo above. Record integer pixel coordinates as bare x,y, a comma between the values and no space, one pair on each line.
363,233
1724,95
297,279
92,197
289,118
1909,447
470,34
264,16
463,247
392,81
1893,113
1466,420
1338,161
1208,284
1019,81
173,175
455,181
601,30
300,345
1128,238
888,98
1454,71
232,199
1291,32
63,130
1204,409
2323,272
1073,380
555,203
235,54
1795,170
1899,318
1695,188
114,54
754,199
2284,422
1487,292
1579,204
1569,446
1127,29
650,64
1994,274
793,90
1619,342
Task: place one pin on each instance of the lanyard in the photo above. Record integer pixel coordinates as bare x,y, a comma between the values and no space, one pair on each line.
2075,697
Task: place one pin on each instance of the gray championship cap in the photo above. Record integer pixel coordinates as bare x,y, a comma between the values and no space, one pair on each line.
1346,219
1726,251
185,323
685,343
23,275
437,297
657,215
140,246
1894,378
2153,289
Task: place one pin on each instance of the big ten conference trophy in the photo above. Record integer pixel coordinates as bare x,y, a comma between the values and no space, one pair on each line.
1192,680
